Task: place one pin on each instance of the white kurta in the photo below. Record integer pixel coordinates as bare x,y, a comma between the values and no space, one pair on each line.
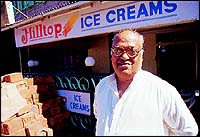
149,106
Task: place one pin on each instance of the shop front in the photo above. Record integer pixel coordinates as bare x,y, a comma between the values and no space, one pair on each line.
60,46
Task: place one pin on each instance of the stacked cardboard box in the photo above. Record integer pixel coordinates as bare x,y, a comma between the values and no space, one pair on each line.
44,113
53,106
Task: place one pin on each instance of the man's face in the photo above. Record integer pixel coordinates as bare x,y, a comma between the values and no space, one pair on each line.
127,64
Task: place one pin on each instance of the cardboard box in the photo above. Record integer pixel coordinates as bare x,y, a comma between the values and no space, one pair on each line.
13,77
11,126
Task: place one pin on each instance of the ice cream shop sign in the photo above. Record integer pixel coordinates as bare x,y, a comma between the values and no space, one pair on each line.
104,18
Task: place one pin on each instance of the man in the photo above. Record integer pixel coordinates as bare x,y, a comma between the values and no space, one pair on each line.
133,101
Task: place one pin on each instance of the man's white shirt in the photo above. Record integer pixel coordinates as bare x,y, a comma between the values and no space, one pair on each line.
149,106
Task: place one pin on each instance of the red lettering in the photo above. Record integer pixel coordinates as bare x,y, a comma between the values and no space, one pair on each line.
50,30
58,29
24,38
41,31
30,31
44,30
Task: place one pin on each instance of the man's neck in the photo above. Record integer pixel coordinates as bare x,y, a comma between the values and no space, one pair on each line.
122,85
